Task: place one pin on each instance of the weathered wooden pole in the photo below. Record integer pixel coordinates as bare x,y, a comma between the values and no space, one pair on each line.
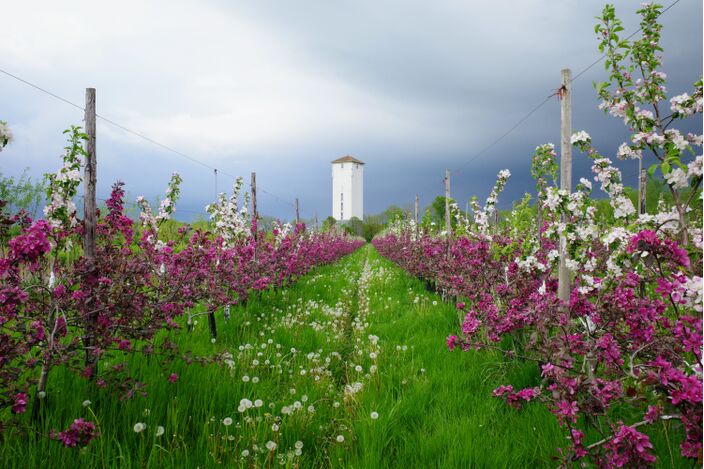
539,207
563,287
447,202
641,186
255,213
253,184
416,215
89,222
215,177
416,210
90,179
298,216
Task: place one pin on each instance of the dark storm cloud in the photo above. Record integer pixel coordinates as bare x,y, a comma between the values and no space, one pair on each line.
411,88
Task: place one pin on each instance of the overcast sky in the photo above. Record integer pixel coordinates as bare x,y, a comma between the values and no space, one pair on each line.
283,88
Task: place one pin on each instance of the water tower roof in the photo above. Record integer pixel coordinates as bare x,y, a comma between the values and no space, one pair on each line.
347,159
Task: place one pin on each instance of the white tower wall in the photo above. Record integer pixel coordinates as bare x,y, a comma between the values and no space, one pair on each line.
347,190
358,191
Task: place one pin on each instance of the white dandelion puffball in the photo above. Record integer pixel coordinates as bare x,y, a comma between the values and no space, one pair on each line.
227,421
139,427
159,431
374,415
340,439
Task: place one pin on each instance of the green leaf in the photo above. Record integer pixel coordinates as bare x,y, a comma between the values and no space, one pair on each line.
665,166
651,170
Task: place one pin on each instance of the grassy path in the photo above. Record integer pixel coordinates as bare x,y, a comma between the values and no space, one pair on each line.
347,368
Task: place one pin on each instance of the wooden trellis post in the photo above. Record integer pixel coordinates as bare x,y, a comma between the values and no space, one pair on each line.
89,215
416,209
90,179
416,214
253,184
447,202
642,180
563,288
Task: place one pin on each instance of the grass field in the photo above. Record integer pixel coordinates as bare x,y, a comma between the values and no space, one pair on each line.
304,372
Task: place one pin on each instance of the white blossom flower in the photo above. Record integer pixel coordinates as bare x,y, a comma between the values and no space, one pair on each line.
694,169
579,137
642,114
693,287
679,104
677,178
572,264
625,152
694,139
677,139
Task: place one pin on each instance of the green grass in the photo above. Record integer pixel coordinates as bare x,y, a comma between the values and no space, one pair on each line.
435,407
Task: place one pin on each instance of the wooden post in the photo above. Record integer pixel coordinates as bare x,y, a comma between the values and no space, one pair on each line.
416,214
563,288
90,179
539,207
215,173
416,211
447,202
298,217
642,180
89,215
255,214
316,221
641,187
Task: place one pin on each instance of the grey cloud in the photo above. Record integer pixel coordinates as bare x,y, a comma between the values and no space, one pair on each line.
409,87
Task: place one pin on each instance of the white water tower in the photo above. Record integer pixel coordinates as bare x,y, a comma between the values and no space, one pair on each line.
347,188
